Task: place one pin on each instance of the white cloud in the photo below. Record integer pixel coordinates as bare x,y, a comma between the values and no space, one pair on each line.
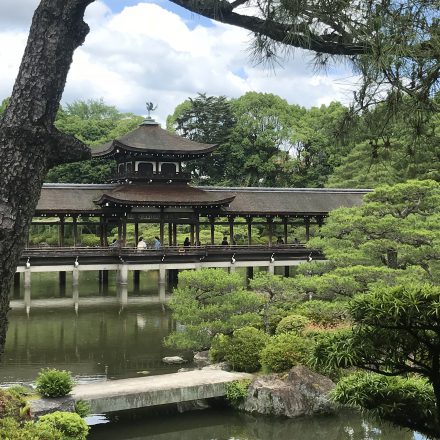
145,52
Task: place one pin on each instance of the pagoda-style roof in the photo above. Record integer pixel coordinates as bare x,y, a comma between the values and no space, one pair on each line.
161,195
149,139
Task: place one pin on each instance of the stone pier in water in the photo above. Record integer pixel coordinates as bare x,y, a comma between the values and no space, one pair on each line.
123,394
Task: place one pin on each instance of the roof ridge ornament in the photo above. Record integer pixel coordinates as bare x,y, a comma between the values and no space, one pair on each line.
150,108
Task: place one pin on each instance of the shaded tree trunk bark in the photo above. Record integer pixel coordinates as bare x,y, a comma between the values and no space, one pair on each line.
29,142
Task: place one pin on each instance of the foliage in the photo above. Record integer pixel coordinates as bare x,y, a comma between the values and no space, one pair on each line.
218,348
71,425
396,227
82,408
324,313
11,429
284,351
54,383
292,324
206,119
208,302
237,390
405,401
242,351
94,123
13,404
396,332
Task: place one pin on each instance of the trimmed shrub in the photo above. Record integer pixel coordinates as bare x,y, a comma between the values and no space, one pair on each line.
292,324
324,313
217,351
82,408
244,347
237,390
284,351
13,404
54,383
11,429
72,426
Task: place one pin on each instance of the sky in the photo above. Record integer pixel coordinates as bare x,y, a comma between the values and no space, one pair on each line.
139,51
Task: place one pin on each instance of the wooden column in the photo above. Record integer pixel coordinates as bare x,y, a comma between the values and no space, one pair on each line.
75,230
101,231
270,227
136,233
197,230
307,225
285,225
191,234
231,230
174,234
124,231
61,232
120,230
211,221
249,230
161,228
170,234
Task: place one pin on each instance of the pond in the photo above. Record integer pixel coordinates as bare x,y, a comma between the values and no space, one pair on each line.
98,337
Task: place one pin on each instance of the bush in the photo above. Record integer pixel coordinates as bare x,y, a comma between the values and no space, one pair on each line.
237,390
13,404
54,383
71,425
10,429
324,313
217,351
285,351
292,324
244,347
82,408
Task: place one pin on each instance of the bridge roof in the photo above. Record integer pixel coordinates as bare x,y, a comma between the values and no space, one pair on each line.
83,198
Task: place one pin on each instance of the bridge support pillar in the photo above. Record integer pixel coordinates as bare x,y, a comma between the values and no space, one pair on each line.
62,282
136,279
231,268
123,274
287,271
250,273
75,277
271,269
27,278
162,282
17,285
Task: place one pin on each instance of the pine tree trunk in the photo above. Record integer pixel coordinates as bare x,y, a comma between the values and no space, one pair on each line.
29,143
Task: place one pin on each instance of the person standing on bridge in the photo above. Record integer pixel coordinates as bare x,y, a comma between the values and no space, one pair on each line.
157,243
186,243
141,244
225,241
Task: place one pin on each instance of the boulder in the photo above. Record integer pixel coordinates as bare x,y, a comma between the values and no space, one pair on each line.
302,393
43,406
173,360
193,405
201,359
220,366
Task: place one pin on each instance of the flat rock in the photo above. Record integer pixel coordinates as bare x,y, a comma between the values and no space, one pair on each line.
302,393
173,360
43,406
220,366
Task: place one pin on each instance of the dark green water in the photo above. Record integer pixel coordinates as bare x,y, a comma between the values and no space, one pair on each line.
102,335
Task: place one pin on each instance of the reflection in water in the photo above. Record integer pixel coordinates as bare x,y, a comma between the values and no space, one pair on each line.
116,335
225,424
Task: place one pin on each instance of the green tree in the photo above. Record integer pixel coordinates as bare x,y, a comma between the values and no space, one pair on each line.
206,119
208,302
391,148
385,256
94,123
259,143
